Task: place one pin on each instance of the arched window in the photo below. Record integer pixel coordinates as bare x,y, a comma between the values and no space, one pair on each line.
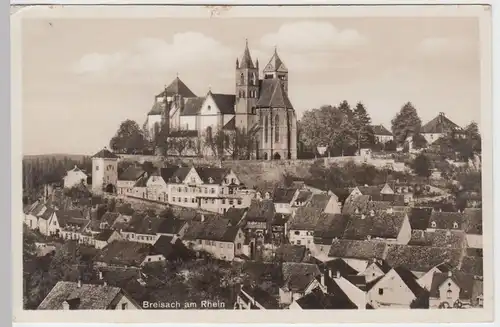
266,123
242,94
277,128
242,79
253,79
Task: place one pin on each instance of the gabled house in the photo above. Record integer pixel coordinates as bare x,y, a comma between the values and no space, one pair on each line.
215,236
75,177
396,289
127,179
106,237
391,226
358,254
439,127
47,222
382,134
129,254
329,203
356,205
455,290
301,226
77,296
299,279
426,280
338,285
69,224
474,227
284,198
375,269
143,229
254,297
32,213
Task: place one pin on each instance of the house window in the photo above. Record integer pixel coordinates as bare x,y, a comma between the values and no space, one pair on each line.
124,306
449,294
380,291
205,190
55,223
209,108
455,225
223,201
179,189
239,202
185,200
96,168
238,246
213,201
433,224
298,242
297,232
192,200
231,202
221,245
185,189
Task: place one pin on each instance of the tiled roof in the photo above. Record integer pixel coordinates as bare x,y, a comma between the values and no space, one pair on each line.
121,222
281,219
283,195
297,276
421,258
381,224
378,206
215,229
230,125
273,95
167,173
303,196
225,102
472,265
439,238
440,124
319,201
171,226
317,300
235,215
261,272
473,221
419,218
370,190
125,253
363,250
141,224
86,297
104,235
177,87
106,154
192,106
216,174
306,218
141,182
180,174
469,286
359,203
47,214
339,265
132,173
330,226
261,211
446,220
380,130
291,253
275,64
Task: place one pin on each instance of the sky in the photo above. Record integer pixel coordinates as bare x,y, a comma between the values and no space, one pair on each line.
82,77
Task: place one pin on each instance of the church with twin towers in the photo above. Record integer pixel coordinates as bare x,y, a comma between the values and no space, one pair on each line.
260,105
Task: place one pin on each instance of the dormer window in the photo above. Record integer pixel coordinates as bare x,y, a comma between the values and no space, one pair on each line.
433,224
210,180
357,210
455,225
177,180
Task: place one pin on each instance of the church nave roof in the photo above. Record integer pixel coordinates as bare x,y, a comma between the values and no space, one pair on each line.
272,94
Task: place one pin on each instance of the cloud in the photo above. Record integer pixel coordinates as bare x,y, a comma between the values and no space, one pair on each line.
308,36
185,51
439,46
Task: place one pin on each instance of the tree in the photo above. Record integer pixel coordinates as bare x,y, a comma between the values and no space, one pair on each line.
406,123
241,144
216,142
422,165
361,123
179,141
390,146
129,138
419,141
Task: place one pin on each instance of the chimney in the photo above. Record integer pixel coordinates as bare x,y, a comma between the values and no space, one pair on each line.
79,283
449,274
202,217
105,283
323,279
100,275
330,273
65,305
338,274
440,210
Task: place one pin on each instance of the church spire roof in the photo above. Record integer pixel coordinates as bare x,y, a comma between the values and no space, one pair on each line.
177,87
246,60
275,64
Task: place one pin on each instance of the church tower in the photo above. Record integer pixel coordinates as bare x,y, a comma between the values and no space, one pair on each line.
277,69
247,90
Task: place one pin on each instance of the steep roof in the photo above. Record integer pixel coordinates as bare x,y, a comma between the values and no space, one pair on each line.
225,102
297,276
319,201
230,125
304,195
235,215
141,224
290,253
340,266
438,238
105,154
283,195
472,265
180,173
469,286
330,226
261,296
382,224
440,124
421,258
167,173
363,250
446,220
214,228
246,59
261,211
306,218
359,203
273,95
171,225
177,87
216,174
104,235
380,130
125,253
317,299
275,64
132,173
86,297
157,109
419,218
172,248
192,106
410,280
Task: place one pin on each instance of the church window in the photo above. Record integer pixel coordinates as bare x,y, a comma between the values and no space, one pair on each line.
265,128
277,129
242,94
242,79
253,79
